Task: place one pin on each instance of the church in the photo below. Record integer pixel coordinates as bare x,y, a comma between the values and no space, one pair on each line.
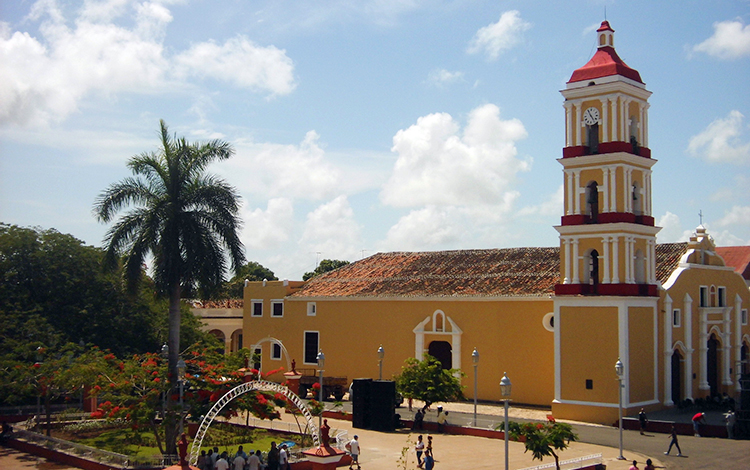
555,320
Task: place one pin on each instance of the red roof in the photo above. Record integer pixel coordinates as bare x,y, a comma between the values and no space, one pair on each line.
605,63
527,272
737,257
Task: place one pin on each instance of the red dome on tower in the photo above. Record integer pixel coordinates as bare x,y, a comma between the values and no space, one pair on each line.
605,62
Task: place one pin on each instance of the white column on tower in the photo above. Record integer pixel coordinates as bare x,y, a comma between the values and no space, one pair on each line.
605,245
577,124
641,129
650,265
615,262
566,244
605,188
569,205
688,305
605,121
568,123
668,351
647,195
645,124
614,118
576,262
577,191
613,189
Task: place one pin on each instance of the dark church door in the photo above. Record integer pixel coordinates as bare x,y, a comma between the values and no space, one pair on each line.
441,350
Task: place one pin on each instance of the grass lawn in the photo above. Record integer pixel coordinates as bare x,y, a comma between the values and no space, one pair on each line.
225,437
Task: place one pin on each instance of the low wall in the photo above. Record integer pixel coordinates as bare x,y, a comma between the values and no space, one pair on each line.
56,456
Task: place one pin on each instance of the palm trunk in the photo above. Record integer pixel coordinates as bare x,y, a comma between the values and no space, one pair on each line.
170,421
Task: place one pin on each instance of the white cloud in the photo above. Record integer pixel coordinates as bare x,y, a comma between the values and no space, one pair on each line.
442,78
499,37
553,206
672,230
737,215
241,62
721,141
274,170
44,78
731,40
428,227
332,230
268,228
438,166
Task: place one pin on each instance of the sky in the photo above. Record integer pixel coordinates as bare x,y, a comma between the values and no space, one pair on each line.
367,126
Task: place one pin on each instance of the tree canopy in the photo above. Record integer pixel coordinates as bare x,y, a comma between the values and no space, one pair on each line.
186,220
543,439
426,380
251,271
324,266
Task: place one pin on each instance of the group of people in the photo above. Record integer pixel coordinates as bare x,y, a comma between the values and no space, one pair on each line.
442,419
425,459
277,459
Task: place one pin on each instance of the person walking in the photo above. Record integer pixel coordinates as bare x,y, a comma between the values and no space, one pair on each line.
698,419
673,442
353,448
429,461
729,419
419,447
642,420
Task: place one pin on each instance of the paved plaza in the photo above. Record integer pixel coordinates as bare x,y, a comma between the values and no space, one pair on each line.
381,450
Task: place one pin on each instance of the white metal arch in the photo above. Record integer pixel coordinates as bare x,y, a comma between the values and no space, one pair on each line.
239,390
272,340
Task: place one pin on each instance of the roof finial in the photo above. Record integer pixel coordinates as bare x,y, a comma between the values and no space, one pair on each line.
700,216
605,12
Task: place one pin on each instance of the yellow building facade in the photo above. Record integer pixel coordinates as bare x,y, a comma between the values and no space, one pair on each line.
556,320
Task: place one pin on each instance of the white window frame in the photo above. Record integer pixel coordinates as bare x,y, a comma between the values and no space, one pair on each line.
274,303
275,345
312,309
253,303
676,318
304,345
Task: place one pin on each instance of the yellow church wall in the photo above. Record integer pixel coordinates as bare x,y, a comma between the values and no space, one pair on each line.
509,335
597,327
641,324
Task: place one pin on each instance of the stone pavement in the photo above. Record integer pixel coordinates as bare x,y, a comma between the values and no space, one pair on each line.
11,459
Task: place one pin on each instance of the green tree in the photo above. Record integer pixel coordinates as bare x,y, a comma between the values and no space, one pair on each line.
252,271
183,218
543,439
53,290
426,380
324,266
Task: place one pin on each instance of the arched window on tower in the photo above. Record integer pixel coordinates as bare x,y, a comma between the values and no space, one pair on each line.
633,131
592,201
592,138
591,273
640,267
637,199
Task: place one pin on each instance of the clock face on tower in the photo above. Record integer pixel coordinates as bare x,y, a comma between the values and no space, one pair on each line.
591,116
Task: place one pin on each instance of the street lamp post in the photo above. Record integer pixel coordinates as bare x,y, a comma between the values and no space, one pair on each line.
475,360
505,389
321,363
619,370
381,355
38,363
181,366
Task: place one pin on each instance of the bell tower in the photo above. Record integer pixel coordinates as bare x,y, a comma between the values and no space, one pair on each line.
607,234
607,290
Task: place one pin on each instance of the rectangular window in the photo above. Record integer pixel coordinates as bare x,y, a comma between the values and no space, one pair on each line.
704,296
589,384
722,297
257,306
311,309
744,316
276,351
277,308
257,355
311,347
676,318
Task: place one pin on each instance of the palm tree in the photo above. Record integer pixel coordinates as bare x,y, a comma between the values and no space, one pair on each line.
183,219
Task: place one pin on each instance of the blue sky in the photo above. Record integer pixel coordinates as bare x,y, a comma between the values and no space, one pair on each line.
366,126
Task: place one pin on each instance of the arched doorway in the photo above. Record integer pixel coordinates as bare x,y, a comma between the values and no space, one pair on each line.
220,336
676,377
441,350
592,202
236,340
712,362
592,273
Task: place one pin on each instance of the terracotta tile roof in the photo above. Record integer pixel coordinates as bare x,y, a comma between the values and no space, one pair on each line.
525,272
737,257
462,273
667,258
224,303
